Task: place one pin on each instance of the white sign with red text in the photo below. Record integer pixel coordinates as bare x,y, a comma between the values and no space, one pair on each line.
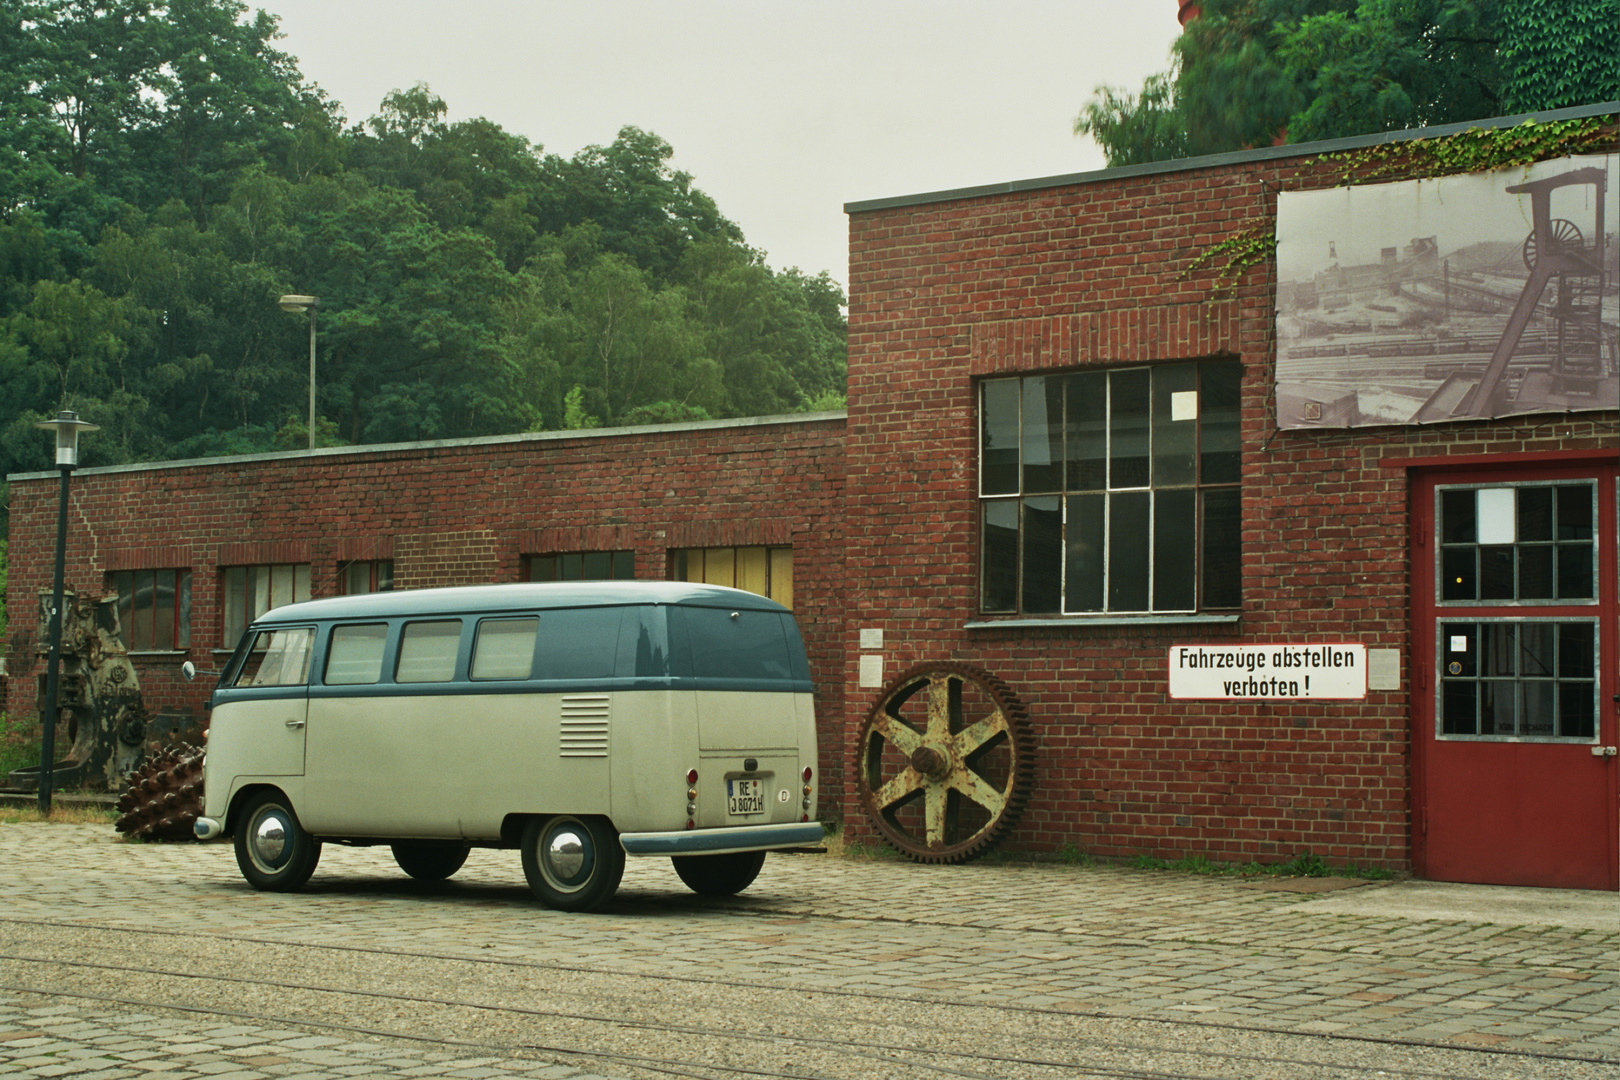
1334,671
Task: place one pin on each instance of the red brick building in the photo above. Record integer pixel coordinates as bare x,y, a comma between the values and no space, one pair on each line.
1068,461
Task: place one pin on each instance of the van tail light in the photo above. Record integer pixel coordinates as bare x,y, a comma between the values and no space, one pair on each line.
691,776
807,774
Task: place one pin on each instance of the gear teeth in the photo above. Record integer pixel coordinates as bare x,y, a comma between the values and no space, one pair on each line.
165,795
1021,769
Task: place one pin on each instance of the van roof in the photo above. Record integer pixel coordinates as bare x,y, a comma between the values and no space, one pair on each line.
522,596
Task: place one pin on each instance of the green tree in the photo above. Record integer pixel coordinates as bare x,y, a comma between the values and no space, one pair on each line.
1556,53
1252,72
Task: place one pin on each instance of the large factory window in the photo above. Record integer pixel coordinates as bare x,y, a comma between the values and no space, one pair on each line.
250,591
764,571
1110,491
154,609
580,566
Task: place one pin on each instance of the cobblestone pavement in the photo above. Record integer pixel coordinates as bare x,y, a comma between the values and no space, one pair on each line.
128,959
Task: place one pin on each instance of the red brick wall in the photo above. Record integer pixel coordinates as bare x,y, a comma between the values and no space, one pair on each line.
448,515
1097,274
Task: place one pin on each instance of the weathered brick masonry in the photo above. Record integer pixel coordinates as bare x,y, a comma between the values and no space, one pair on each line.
451,514
945,290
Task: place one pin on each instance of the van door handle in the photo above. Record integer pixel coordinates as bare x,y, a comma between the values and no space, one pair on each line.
295,723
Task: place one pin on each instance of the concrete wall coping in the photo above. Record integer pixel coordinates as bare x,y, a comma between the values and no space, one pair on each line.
1236,157
443,444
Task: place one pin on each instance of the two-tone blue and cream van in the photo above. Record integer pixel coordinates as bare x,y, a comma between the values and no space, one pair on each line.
577,722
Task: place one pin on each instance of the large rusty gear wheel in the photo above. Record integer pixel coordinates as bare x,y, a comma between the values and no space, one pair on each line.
165,795
946,761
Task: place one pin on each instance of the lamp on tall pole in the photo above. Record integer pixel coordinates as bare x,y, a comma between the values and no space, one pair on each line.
295,302
67,426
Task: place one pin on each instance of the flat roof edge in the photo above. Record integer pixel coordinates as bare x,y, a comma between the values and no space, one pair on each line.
441,444
1236,157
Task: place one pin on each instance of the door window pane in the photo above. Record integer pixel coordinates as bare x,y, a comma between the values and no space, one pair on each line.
1531,542
277,658
1521,678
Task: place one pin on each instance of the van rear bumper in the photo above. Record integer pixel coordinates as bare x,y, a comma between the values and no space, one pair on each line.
721,841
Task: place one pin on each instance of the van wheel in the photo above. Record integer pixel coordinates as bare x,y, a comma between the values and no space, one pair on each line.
430,860
273,851
572,863
719,875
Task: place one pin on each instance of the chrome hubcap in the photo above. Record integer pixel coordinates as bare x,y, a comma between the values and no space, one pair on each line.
269,840
567,855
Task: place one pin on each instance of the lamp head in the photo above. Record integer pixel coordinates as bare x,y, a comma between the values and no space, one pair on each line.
297,302
67,426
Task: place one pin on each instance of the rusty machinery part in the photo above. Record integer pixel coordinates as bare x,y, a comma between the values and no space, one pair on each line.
946,762
1566,236
165,795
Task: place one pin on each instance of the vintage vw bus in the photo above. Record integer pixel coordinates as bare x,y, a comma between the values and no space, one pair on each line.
577,722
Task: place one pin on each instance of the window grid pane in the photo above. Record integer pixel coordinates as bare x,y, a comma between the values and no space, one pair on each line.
1158,446
1518,678
1530,543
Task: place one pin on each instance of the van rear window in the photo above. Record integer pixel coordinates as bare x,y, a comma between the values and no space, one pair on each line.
729,644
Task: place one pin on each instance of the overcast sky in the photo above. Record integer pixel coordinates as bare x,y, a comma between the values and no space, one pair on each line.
783,112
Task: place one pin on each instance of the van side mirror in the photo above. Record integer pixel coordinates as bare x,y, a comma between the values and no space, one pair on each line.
189,671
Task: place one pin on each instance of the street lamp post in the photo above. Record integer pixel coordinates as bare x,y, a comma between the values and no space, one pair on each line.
67,426
295,302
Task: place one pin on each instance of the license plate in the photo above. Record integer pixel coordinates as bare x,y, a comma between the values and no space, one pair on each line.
744,797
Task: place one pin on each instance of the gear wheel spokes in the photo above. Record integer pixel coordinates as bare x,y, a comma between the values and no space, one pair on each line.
946,762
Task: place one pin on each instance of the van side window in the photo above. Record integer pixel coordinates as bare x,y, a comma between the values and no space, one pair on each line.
504,648
427,651
578,643
730,644
354,654
278,658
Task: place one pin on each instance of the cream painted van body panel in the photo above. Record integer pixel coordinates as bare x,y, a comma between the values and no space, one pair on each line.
770,728
259,739
446,765
653,741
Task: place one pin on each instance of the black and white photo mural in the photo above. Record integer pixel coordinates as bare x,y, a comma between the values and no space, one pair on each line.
1485,294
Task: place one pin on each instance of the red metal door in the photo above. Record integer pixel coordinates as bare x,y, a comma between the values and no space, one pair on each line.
1514,657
